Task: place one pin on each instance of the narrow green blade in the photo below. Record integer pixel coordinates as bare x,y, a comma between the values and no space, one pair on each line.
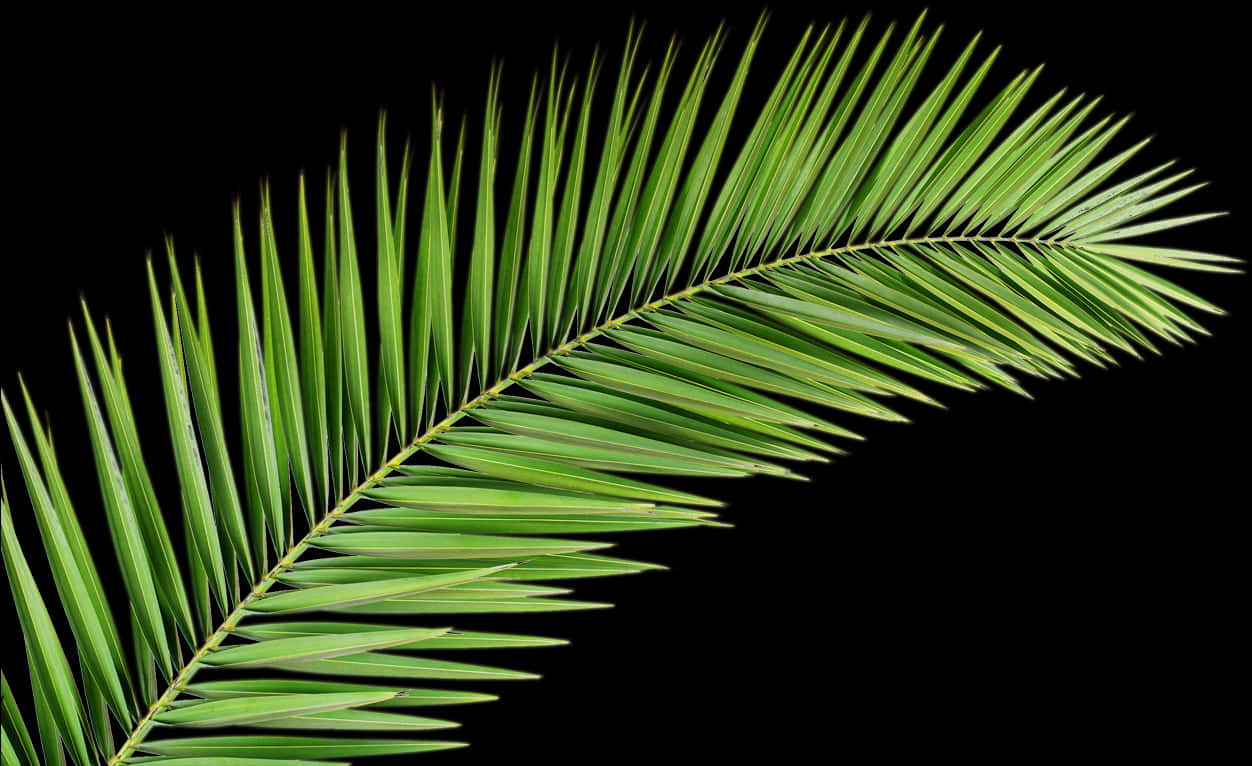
290,747
341,596
242,711
48,660
268,652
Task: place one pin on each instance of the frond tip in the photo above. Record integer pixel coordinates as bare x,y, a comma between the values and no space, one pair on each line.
684,306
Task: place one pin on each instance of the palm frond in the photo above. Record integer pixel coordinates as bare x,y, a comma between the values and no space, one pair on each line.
684,306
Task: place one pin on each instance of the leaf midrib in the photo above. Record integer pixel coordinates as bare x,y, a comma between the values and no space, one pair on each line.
189,669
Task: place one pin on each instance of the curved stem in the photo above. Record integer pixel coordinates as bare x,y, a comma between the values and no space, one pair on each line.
144,725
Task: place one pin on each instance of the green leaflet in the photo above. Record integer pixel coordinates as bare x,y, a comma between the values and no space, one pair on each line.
261,469
579,433
358,720
21,751
442,638
332,365
431,329
98,714
547,567
479,288
723,399
170,588
352,320
834,317
635,412
219,760
312,352
479,589
602,458
281,348
276,746
455,603
246,710
402,697
385,665
434,545
197,505
736,366
123,525
555,473
585,273
301,649
390,268
522,525
341,596
45,720
198,366
497,499
48,663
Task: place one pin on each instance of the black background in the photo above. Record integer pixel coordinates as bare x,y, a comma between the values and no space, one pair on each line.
1001,578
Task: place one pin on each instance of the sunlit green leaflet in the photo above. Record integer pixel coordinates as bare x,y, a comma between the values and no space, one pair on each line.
688,304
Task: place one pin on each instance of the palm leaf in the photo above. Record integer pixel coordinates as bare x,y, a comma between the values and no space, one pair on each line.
686,304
